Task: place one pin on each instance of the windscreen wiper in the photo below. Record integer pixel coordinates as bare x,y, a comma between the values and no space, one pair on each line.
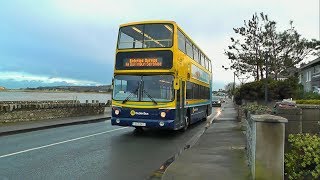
133,92
155,102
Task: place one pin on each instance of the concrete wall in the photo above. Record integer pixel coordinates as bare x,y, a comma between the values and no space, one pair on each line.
15,111
303,119
310,118
265,146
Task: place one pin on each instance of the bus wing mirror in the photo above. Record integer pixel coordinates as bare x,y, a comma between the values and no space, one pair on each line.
111,87
176,84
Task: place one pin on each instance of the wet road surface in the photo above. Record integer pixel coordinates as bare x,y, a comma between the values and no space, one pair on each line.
90,151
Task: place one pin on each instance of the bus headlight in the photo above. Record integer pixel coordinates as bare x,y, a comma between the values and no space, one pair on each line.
163,114
161,123
117,112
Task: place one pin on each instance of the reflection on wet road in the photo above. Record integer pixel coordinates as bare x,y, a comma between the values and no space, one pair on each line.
89,151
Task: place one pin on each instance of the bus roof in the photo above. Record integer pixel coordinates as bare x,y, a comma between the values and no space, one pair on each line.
148,22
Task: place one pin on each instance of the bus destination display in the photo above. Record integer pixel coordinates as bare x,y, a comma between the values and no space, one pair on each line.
142,62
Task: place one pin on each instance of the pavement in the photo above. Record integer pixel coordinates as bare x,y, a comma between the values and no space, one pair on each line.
18,127
218,154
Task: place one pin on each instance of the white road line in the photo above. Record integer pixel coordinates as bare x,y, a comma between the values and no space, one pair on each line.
62,142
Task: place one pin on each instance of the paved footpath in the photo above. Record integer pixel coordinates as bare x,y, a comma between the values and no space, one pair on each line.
218,154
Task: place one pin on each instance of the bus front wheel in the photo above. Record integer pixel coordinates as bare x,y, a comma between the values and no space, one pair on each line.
138,129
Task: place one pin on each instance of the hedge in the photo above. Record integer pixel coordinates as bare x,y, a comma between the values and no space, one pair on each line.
277,90
304,101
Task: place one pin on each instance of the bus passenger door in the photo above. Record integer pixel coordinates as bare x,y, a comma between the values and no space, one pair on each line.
182,101
180,104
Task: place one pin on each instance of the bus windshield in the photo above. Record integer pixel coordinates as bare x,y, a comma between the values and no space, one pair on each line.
145,36
155,88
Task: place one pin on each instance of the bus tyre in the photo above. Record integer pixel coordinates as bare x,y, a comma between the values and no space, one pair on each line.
186,123
138,129
207,114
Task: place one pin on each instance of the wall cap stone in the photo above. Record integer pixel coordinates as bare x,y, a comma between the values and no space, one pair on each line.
268,118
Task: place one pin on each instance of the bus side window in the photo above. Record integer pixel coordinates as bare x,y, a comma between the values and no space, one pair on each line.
189,49
181,42
189,91
196,54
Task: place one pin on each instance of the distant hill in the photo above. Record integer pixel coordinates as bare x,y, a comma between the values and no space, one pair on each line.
103,88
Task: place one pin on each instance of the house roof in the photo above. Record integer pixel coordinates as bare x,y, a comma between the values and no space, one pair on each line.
311,63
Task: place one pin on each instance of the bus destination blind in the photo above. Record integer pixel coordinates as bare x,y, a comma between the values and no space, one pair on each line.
142,62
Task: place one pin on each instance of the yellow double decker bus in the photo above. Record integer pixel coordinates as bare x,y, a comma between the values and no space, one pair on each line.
161,77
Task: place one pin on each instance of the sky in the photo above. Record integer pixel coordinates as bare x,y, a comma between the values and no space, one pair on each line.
59,42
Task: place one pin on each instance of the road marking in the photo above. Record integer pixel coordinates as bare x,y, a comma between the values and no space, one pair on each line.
62,142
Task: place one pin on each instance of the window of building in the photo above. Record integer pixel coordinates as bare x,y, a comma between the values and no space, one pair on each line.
317,69
300,78
308,76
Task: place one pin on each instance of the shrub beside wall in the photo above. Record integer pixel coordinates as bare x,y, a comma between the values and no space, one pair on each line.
276,90
303,160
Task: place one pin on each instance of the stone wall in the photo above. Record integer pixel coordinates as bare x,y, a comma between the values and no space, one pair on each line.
14,111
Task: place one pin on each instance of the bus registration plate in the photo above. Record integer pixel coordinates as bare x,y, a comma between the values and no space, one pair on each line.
138,124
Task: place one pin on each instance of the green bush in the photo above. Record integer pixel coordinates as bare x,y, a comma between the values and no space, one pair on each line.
300,94
311,95
305,101
277,90
303,160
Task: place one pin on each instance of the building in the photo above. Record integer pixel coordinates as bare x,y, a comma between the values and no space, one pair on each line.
2,88
309,75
